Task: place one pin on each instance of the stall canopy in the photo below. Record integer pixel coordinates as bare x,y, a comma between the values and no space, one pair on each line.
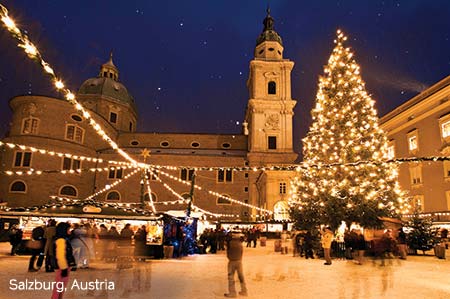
82,210
182,214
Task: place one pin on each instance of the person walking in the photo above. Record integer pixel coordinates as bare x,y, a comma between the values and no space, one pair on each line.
401,243
308,245
15,238
64,258
234,254
327,238
126,235
140,240
360,247
49,235
37,248
80,248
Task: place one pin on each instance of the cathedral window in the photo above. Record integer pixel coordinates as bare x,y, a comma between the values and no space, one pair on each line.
186,174
282,188
18,186
272,87
71,164
225,176
113,195
30,125
115,173
272,142
113,117
22,159
74,133
223,200
68,191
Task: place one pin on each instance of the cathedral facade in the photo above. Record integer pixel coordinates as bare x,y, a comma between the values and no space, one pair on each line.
78,164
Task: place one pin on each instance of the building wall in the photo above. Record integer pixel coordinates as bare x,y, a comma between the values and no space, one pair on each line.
423,116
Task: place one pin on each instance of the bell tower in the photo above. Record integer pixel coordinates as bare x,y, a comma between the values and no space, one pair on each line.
268,117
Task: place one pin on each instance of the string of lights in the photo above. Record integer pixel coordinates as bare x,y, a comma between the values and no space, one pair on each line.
110,186
306,165
54,153
147,183
183,199
33,53
292,167
32,171
215,193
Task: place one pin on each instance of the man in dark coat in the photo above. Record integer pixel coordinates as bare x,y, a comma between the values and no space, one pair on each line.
15,238
37,251
140,240
234,255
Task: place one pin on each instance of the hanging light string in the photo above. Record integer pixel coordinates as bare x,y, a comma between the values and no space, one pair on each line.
181,198
33,53
214,193
306,166
147,183
54,153
292,167
32,171
110,186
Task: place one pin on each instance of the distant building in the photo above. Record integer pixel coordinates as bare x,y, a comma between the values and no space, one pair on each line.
421,128
53,124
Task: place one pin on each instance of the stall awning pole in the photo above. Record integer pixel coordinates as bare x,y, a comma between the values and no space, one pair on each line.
191,195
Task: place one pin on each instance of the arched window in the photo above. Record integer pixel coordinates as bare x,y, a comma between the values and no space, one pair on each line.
18,186
272,87
68,191
113,195
222,200
281,210
154,197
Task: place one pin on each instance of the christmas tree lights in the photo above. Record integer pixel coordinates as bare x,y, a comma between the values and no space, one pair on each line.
345,132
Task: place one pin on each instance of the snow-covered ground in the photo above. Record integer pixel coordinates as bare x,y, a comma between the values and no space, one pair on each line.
268,275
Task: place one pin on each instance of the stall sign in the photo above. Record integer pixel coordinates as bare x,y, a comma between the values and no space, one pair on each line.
91,209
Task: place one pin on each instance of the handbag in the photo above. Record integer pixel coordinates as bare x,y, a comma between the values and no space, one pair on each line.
34,244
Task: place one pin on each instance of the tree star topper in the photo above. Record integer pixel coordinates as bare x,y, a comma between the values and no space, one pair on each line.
145,153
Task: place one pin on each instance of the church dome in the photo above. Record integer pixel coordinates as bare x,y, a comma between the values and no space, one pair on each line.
106,87
107,84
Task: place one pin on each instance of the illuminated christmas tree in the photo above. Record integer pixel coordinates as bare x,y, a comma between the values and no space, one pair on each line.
337,184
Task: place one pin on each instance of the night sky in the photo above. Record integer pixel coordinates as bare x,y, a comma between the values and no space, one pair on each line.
186,62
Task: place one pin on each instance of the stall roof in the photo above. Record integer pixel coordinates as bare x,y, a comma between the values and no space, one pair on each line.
81,210
182,213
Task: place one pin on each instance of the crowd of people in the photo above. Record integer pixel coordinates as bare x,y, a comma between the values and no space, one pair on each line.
87,241
354,246
213,240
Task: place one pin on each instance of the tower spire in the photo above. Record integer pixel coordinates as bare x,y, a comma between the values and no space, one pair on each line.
268,33
109,70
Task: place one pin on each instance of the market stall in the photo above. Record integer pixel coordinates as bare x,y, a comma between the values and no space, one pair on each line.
96,215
